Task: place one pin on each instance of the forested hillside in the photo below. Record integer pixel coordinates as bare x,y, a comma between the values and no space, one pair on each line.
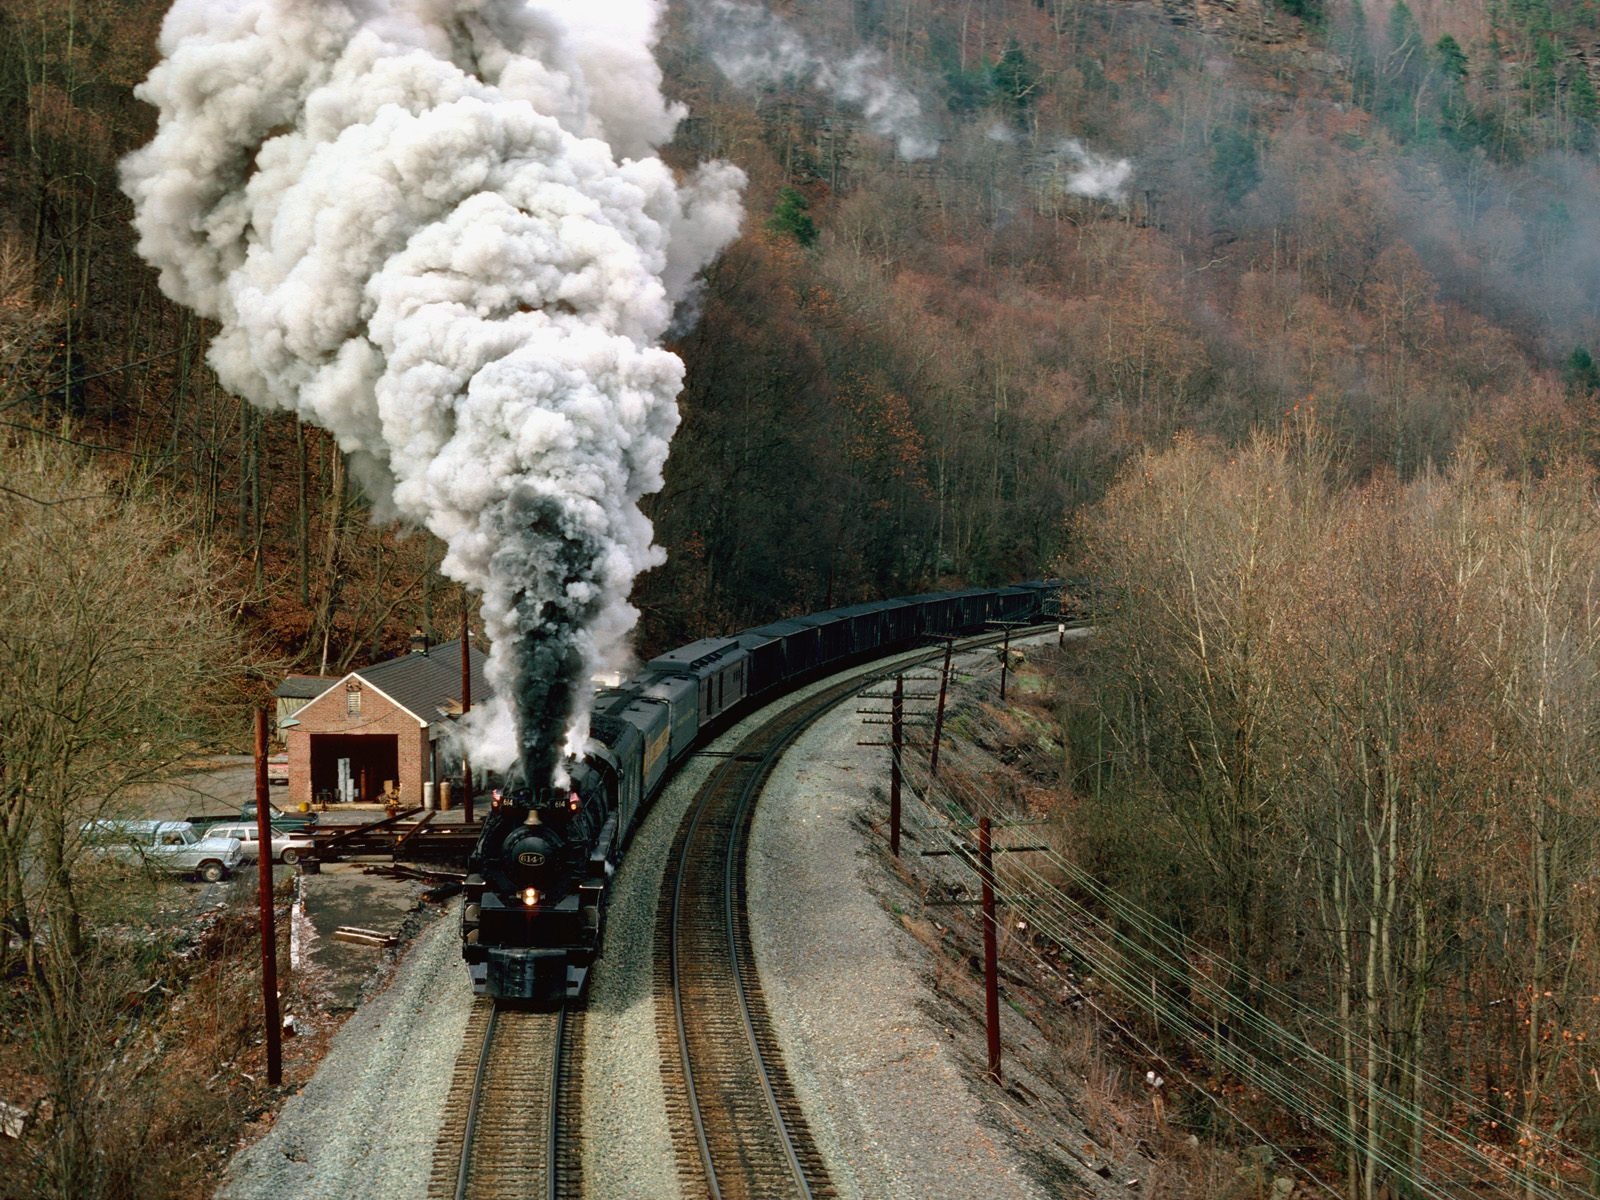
953,313
1276,320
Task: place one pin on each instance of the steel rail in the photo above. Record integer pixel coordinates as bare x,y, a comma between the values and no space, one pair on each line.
789,724
477,1167
737,843
677,1007
552,1149
464,1171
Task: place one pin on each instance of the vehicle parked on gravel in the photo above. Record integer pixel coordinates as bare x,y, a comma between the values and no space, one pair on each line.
170,846
288,846
247,813
279,818
278,770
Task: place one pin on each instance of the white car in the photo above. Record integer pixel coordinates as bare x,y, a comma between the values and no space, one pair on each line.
287,848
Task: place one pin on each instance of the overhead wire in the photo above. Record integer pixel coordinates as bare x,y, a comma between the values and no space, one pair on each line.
1186,947
1323,1100
1325,1113
1242,1064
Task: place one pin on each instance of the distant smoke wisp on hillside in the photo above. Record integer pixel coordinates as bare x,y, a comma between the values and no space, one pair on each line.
439,229
1075,168
1094,175
754,48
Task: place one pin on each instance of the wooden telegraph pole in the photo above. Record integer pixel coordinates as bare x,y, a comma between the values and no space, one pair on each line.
1005,663
897,709
269,935
991,965
938,718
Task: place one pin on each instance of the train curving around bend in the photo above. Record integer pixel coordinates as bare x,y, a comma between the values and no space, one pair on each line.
535,906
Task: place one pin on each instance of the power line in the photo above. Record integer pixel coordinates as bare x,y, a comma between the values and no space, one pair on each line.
1321,1089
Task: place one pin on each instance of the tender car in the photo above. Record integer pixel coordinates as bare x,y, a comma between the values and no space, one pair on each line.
170,846
288,846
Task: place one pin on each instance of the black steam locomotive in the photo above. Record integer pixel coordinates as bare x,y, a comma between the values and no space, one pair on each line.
534,914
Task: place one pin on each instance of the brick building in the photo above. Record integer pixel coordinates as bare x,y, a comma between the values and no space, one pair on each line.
387,720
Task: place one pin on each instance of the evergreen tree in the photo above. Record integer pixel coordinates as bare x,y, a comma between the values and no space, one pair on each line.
1235,164
1452,59
792,215
1309,11
1015,79
1363,68
1581,373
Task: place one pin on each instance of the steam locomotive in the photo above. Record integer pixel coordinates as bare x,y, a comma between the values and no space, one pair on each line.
534,912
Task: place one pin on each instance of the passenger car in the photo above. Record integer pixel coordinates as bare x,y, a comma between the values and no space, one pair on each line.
288,846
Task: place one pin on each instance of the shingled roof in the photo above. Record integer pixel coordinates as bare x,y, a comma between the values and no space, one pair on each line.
306,687
428,685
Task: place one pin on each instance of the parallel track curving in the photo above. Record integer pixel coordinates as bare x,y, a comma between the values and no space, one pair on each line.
737,1124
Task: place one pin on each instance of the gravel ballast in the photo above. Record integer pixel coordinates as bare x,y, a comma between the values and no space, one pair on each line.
893,1105
364,1127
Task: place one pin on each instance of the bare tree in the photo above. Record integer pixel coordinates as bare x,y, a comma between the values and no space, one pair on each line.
121,664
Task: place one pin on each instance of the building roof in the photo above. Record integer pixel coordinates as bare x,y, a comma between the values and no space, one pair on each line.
428,686
305,687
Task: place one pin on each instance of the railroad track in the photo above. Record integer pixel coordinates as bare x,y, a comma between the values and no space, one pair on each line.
510,1130
737,1126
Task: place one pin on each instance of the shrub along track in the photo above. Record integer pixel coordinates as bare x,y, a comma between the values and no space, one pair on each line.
510,1130
736,1123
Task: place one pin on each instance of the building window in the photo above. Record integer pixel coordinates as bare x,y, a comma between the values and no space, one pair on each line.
352,702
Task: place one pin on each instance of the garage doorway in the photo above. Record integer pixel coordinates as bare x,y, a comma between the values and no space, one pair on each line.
374,759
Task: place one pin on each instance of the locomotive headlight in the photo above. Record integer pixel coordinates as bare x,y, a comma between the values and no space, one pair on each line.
530,896
573,802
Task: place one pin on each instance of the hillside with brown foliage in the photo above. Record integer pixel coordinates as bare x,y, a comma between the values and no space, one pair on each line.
909,372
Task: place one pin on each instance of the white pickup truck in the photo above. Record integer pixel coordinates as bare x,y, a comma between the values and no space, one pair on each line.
171,846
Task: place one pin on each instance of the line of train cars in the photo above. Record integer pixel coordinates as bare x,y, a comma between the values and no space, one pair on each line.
534,910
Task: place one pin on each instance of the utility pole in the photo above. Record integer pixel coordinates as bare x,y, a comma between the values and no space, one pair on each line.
269,935
897,718
938,719
466,707
897,743
991,964
1005,663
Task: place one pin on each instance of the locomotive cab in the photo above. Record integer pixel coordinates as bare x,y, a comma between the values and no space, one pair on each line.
535,891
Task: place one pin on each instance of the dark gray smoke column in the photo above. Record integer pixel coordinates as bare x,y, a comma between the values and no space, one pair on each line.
439,229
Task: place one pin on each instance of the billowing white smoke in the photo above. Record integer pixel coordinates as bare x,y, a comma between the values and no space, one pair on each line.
754,48
1094,175
438,229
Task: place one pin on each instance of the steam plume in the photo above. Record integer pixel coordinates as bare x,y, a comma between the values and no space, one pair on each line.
754,48
438,229
1094,175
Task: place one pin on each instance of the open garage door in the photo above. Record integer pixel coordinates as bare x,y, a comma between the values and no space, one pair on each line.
374,760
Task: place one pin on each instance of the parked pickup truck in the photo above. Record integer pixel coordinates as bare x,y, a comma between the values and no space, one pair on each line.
170,846
294,822
288,846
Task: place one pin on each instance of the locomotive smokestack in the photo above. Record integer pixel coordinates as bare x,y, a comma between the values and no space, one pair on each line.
439,229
